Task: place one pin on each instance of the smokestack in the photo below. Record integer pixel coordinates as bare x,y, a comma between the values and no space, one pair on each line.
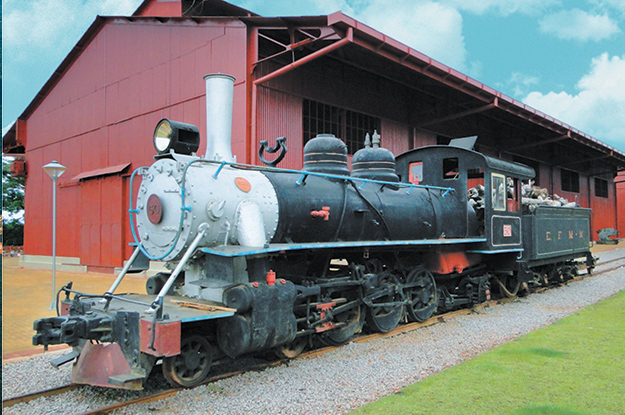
219,97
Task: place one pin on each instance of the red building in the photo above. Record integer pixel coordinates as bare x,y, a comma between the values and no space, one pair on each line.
295,77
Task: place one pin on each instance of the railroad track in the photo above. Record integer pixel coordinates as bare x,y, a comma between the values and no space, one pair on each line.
7,403
604,267
311,353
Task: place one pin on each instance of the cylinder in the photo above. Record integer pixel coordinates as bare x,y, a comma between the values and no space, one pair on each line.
219,98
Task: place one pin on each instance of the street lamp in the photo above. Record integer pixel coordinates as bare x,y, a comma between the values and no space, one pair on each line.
54,170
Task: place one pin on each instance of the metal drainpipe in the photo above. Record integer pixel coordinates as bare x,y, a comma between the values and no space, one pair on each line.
614,192
252,144
592,218
252,52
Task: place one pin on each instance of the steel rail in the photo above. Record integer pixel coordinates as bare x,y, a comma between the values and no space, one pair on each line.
7,403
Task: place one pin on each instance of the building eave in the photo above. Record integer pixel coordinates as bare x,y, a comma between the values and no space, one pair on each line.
390,48
374,41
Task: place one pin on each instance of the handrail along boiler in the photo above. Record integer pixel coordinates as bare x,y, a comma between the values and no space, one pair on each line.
266,258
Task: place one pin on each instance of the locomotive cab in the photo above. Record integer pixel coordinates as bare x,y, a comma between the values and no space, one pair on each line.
488,188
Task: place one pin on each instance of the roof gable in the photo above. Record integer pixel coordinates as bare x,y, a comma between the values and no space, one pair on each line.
204,8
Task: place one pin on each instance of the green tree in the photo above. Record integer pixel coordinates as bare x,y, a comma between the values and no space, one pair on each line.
12,205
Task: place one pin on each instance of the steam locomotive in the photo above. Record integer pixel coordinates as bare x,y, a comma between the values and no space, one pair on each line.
264,258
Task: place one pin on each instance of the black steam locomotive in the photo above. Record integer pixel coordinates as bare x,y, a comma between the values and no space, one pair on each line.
265,258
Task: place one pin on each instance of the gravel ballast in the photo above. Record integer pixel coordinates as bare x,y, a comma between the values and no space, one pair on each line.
335,382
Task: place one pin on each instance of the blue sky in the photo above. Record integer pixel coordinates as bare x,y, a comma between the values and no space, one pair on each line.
565,58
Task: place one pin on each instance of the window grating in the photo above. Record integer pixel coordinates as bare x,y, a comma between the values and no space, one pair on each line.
601,187
350,126
569,180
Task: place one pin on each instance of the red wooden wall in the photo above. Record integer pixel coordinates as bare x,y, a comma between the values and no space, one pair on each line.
163,8
103,112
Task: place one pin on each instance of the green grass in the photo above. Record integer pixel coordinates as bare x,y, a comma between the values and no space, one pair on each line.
575,366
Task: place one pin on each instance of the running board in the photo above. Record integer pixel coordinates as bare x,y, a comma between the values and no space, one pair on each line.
132,380
66,358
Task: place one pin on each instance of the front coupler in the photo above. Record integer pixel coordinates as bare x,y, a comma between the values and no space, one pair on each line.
108,347
71,329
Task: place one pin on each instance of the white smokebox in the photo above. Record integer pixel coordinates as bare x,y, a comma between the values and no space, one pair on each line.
219,98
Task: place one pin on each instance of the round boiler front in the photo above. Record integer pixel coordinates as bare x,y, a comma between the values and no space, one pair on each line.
176,197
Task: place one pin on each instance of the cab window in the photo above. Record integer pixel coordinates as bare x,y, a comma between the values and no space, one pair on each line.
451,168
416,172
498,191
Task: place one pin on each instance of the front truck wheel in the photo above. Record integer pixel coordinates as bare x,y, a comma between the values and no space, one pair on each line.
191,366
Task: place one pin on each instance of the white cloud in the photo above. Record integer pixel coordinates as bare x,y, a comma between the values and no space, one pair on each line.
430,27
57,24
521,83
617,5
503,7
39,23
298,8
598,108
7,128
579,25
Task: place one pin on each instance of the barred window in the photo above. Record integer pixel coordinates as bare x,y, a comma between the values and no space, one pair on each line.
601,187
569,180
350,126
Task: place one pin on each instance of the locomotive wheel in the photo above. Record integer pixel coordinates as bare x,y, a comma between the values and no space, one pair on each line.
570,271
421,294
192,365
342,335
291,350
509,288
383,319
556,274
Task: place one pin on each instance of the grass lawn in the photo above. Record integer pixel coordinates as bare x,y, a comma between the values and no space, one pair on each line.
575,366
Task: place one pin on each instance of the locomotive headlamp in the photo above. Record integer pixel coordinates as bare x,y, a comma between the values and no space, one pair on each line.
178,136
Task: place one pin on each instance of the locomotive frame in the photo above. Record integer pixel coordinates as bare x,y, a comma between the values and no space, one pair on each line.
265,258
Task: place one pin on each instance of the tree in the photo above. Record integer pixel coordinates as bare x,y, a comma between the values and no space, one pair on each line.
12,205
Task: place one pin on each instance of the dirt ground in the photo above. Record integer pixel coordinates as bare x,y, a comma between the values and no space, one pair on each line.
27,295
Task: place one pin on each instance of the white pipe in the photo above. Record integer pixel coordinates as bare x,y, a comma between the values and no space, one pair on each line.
200,234
53,303
219,98
121,275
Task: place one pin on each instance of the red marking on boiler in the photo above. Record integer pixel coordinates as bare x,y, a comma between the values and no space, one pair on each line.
242,184
154,209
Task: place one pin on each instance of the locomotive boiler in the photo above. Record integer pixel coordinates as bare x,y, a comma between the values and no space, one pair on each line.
263,258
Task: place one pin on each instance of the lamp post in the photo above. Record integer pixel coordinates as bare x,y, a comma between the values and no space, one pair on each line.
54,170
